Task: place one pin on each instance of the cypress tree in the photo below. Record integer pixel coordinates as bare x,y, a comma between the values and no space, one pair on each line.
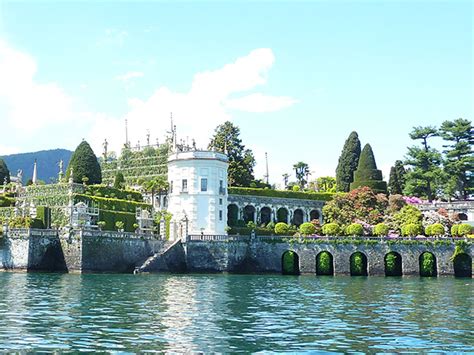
396,182
367,173
85,165
119,181
348,162
4,172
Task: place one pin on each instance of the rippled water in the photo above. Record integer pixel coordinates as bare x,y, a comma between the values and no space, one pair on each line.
234,312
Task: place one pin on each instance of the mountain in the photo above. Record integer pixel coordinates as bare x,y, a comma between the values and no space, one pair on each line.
46,160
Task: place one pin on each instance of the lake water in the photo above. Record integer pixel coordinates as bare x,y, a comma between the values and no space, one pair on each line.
234,313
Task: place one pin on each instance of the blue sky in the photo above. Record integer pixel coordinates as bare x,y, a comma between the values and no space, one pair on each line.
296,77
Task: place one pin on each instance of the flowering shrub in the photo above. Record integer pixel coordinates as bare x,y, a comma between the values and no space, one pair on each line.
412,200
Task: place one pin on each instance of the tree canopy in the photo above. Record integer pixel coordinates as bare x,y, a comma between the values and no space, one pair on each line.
396,182
4,172
425,174
459,158
301,172
241,160
84,165
348,161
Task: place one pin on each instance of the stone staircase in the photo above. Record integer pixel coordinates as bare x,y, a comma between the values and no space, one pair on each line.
162,260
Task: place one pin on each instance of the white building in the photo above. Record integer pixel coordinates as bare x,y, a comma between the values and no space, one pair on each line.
197,196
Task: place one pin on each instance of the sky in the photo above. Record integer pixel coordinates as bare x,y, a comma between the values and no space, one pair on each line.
296,76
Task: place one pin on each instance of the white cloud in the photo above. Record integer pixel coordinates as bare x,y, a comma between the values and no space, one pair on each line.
130,75
29,104
197,112
113,36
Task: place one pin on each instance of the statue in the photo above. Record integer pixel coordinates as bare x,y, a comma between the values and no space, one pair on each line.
60,174
71,175
19,176
105,145
194,144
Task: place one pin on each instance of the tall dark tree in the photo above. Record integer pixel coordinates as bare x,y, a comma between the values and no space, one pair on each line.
367,173
4,172
424,176
348,162
241,160
119,181
459,158
396,181
85,166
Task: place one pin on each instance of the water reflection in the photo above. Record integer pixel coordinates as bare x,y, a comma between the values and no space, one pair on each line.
224,313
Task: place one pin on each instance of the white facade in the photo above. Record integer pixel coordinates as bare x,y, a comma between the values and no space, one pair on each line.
198,192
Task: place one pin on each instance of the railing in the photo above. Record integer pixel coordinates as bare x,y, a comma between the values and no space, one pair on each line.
87,233
225,238
455,205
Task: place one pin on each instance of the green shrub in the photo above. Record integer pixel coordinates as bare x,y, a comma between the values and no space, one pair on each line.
43,213
318,196
428,229
331,229
381,229
435,229
427,265
454,230
355,229
464,229
101,224
411,229
270,226
120,225
111,217
281,228
307,228
295,188
251,225
324,264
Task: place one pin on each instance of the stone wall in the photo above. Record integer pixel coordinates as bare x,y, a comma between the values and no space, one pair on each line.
266,256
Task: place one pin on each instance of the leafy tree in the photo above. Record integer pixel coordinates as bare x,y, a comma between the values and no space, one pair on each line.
302,172
119,181
85,165
367,173
425,174
396,181
348,162
4,172
158,185
323,184
241,160
459,158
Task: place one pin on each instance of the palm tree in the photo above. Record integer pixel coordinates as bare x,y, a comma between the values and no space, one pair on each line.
302,172
158,185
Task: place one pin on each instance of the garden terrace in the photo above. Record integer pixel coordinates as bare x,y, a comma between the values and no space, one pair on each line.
140,164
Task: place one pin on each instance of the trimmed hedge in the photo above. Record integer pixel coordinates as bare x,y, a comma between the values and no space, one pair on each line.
111,204
112,217
6,201
464,229
381,229
281,228
411,229
307,228
112,192
318,196
355,229
331,229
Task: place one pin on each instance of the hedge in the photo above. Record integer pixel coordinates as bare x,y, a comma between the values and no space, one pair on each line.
111,217
111,204
43,213
6,201
111,192
307,228
318,196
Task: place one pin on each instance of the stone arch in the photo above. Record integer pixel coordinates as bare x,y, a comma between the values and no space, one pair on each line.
232,214
358,264
314,214
298,217
265,215
282,215
290,263
249,213
462,265
393,264
462,216
427,264
324,263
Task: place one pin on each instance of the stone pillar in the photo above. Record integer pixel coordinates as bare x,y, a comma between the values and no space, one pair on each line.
256,216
